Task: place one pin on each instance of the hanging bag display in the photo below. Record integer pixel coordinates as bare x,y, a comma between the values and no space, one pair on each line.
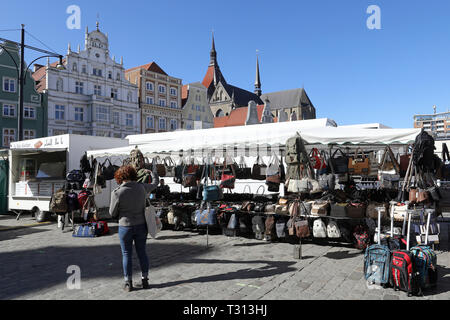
339,164
259,170
108,169
317,159
211,192
159,166
358,165
170,167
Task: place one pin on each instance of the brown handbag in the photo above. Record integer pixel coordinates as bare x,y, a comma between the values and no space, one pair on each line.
358,165
302,229
413,195
160,167
422,196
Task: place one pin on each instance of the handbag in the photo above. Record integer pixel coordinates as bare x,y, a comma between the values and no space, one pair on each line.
206,217
338,165
317,159
159,166
210,192
372,210
259,170
242,172
356,210
320,208
338,210
109,171
302,229
398,211
170,167
358,165
227,180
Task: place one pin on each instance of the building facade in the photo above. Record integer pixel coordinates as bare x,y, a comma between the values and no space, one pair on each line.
159,98
196,113
437,124
91,96
34,107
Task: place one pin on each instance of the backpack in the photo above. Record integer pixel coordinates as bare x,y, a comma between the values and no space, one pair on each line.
82,197
377,262
425,262
58,202
333,230
295,151
137,159
423,155
403,273
319,229
361,237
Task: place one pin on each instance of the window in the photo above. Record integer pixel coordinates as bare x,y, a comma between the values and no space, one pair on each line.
102,114
203,108
29,113
29,134
9,85
109,75
173,104
97,90
162,89
59,84
74,67
149,86
118,76
102,134
162,123
9,110
149,100
83,69
58,132
129,120
197,107
116,118
190,116
129,97
114,94
59,112
150,122
97,72
173,91
79,87
79,113
173,124
162,102
9,135
192,107
197,118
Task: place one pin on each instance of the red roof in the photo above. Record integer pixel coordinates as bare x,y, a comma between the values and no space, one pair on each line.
152,66
184,91
209,77
237,117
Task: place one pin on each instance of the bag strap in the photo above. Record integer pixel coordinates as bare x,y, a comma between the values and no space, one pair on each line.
342,152
445,153
249,189
261,186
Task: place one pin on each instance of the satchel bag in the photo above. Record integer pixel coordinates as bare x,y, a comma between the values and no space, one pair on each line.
338,210
159,166
358,165
302,229
356,210
398,211
320,208
259,170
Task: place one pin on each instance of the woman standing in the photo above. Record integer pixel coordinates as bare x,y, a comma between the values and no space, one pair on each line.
128,205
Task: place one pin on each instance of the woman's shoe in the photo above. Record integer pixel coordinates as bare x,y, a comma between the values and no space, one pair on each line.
128,286
145,284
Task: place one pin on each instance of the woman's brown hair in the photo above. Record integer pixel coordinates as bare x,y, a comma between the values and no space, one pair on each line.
125,173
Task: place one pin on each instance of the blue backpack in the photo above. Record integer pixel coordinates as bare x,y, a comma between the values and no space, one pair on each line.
377,261
425,262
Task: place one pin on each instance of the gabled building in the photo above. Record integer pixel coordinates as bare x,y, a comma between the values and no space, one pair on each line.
196,113
34,107
91,96
294,102
159,98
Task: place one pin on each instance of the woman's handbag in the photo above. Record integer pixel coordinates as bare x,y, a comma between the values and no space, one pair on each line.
356,210
170,167
227,180
372,210
302,229
150,219
210,192
338,210
320,208
317,160
159,166
358,165
206,217
108,171
398,211
259,170
339,165
242,172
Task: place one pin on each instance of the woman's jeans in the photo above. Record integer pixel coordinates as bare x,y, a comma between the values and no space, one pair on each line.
127,235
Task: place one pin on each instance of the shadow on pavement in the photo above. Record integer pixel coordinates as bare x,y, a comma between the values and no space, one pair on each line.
28,271
443,282
339,255
20,231
270,269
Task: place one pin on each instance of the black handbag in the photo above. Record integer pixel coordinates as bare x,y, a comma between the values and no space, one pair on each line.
242,172
338,165
108,171
259,170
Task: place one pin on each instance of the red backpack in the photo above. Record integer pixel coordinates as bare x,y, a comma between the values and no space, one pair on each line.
82,197
361,237
403,275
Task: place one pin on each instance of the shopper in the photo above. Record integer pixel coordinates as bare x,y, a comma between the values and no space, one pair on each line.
128,206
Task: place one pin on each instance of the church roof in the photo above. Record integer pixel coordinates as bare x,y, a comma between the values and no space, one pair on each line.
286,98
241,96
237,117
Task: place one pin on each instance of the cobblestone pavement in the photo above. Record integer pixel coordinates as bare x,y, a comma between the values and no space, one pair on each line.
35,257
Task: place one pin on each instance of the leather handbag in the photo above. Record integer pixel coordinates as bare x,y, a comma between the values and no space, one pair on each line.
338,165
228,180
242,172
317,160
372,210
413,195
398,211
338,210
422,196
159,166
356,210
358,165
320,208
108,171
259,170
302,229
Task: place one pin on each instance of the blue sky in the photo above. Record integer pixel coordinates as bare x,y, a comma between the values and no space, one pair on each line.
351,74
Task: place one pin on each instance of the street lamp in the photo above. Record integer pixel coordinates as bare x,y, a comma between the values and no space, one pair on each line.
21,73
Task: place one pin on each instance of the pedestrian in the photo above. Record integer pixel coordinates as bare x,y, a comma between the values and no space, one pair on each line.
128,202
